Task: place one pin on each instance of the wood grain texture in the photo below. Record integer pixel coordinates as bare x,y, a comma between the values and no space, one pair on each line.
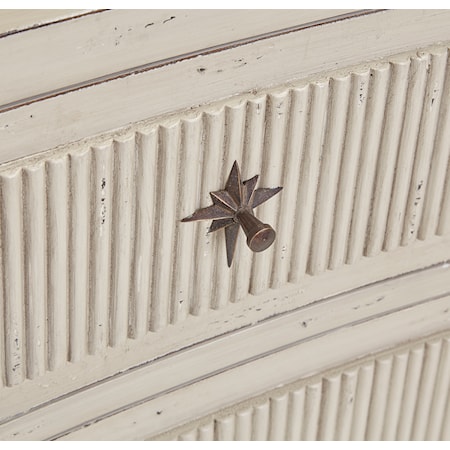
100,223
336,401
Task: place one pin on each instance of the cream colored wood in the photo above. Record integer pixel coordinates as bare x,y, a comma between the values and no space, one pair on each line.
118,321
387,156
425,144
97,45
330,167
405,161
349,167
121,234
146,160
370,144
79,283
394,401
309,179
62,119
146,269
195,329
100,246
34,256
13,20
13,276
292,418
57,260
438,170
316,337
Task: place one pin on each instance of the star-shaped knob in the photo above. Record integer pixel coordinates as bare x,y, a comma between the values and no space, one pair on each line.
233,207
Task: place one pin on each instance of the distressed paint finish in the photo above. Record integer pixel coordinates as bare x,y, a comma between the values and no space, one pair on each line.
98,273
323,335
197,79
291,410
83,55
101,222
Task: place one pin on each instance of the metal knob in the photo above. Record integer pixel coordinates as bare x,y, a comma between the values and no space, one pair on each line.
233,207
260,236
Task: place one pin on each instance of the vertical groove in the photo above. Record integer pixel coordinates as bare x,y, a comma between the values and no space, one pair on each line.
367,400
330,401
349,167
346,405
101,194
122,232
278,417
225,429
295,137
183,255
251,164
206,247
274,149
169,139
444,222
445,429
79,253
425,394
425,145
206,432
372,132
309,179
378,399
410,390
188,436
312,411
34,256
146,161
362,402
436,181
295,414
243,430
406,151
57,262
440,394
82,270
387,156
393,405
260,423
13,290
233,145
329,175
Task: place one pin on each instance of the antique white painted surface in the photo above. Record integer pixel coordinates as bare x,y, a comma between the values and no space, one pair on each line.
14,20
110,213
101,107
115,316
105,43
220,372
400,395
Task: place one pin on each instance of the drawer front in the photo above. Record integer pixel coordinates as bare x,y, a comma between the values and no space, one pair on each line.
103,286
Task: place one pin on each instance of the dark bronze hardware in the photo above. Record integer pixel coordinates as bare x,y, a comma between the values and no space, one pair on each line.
233,207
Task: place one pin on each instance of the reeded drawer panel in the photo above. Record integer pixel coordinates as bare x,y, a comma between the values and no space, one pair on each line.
95,255
101,284
401,395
